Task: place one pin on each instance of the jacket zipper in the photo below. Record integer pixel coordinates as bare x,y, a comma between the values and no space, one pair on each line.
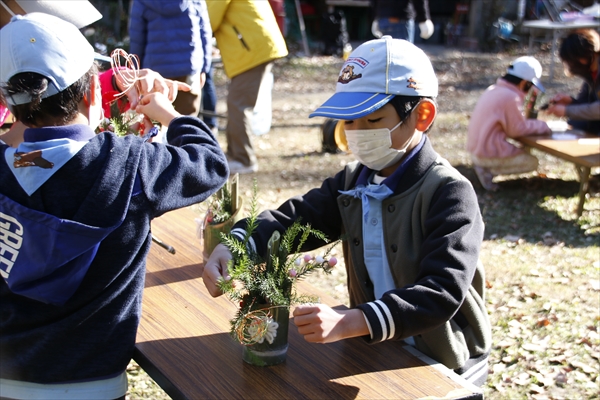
241,38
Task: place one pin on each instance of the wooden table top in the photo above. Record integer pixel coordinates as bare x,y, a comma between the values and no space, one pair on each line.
574,146
183,342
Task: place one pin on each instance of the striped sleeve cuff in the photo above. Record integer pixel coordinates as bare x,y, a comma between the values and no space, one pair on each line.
239,233
379,319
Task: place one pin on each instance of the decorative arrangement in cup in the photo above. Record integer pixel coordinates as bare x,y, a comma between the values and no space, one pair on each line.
224,210
265,287
123,120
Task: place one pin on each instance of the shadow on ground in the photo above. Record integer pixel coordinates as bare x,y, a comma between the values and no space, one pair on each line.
517,210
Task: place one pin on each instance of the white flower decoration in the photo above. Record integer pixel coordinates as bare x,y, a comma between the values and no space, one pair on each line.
269,328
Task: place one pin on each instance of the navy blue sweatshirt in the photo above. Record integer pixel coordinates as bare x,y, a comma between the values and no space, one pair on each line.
57,323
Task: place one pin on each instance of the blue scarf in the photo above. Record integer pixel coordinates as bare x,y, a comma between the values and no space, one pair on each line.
377,192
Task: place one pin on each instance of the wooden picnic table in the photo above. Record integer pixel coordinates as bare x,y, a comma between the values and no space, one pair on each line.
577,147
183,342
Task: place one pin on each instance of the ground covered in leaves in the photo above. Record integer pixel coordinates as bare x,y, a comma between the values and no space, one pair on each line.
542,263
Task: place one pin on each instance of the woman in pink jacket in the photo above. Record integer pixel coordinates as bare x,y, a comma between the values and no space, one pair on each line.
498,115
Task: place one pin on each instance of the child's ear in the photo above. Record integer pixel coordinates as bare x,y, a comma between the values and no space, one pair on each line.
426,112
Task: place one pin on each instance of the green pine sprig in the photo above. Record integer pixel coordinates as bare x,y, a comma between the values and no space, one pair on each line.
270,280
221,206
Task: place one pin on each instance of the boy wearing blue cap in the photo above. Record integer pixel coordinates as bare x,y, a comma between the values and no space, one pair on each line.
410,222
75,213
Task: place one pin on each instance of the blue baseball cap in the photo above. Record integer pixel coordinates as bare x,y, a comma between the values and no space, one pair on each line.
374,73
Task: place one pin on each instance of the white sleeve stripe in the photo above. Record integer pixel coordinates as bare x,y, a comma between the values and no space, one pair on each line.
483,364
252,244
368,325
381,320
390,319
240,233
477,376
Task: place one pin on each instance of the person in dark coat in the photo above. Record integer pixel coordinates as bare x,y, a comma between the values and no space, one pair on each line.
174,38
396,18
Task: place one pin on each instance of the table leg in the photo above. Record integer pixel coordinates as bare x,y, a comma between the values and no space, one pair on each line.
555,35
584,180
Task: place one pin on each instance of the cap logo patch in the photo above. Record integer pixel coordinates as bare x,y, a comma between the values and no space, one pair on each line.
358,60
347,75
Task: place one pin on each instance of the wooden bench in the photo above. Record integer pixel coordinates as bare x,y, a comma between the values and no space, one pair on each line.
183,343
577,147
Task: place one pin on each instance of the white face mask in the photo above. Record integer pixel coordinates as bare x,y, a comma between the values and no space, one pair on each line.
373,147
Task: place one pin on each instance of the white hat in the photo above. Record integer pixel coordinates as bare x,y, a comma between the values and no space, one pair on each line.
78,12
527,68
374,73
46,45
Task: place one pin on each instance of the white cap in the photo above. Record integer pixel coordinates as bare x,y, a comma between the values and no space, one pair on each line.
78,12
46,45
527,68
374,73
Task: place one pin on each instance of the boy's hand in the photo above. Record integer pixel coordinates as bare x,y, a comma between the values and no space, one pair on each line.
322,324
157,106
215,269
147,82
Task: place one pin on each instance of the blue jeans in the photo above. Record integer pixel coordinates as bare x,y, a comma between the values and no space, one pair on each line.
398,30
209,99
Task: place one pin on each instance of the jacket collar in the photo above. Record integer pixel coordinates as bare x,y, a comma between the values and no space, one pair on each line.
511,86
77,132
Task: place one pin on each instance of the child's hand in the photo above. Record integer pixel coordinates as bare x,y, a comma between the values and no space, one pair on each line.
322,324
561,98
559,110
215,269
157,106
148,81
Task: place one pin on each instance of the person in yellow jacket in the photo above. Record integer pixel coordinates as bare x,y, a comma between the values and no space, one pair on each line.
249,39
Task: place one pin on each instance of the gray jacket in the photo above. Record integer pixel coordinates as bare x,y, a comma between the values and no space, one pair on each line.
433,243
433,231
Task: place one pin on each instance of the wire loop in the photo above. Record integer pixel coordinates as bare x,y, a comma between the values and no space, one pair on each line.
126,68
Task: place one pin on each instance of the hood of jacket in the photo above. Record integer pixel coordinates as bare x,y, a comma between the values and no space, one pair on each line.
47,257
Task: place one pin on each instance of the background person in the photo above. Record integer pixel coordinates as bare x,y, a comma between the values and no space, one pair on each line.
580,53
410,222
174,38
75,210
249,40
498,116
209,96
396,18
